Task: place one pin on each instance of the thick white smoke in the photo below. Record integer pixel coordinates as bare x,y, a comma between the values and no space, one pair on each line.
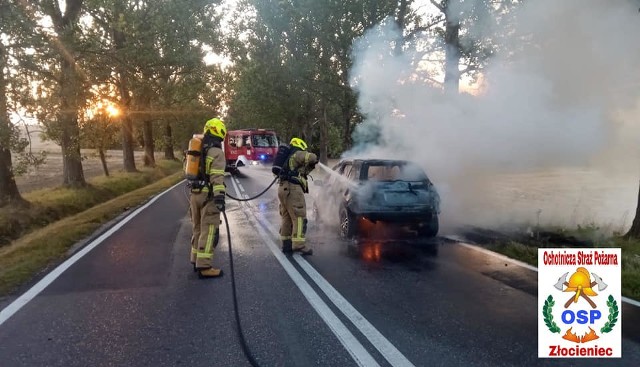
562,91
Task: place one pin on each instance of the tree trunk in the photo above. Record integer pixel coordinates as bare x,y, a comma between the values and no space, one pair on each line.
119,41
9,192
127,145
70,95
144,103
634,231
103,159
400,21
168,142
452,48
346,118
324,135
149,146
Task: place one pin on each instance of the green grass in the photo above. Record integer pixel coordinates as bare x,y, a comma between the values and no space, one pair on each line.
31,254
516,250
527,251
50,205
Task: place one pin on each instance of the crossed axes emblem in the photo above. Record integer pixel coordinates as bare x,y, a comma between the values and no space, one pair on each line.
580,291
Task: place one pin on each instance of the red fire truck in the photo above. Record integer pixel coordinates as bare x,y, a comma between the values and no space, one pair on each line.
249,147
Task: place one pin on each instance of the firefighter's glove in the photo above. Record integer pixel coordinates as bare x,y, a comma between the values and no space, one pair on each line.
218,201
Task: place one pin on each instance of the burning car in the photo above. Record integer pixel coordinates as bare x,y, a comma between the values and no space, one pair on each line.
388,191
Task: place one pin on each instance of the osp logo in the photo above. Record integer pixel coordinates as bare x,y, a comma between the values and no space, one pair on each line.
579,296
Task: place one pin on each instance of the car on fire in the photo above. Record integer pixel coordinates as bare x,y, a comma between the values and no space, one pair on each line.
397,192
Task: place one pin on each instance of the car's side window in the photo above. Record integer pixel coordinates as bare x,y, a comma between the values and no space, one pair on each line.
352,174
346,170
375,173
355,172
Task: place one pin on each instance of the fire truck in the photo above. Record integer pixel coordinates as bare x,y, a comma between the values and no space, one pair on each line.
246,147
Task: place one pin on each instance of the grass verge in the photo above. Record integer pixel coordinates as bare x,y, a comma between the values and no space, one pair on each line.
525,248
50,205
24,258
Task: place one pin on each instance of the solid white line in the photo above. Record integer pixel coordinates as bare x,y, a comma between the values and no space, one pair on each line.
390,352
458,241
346,338
16,305
382,344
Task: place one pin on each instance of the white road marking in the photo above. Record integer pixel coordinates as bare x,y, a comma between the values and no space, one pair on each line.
348,340
382,344
460,241
21,301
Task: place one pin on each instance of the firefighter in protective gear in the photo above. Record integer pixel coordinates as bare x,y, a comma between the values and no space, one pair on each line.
292,187
207,200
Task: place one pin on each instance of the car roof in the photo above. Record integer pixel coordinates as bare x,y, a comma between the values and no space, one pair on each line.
376,161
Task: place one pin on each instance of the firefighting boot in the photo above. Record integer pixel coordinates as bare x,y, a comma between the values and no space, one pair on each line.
209,273
303,250
193,258
286,247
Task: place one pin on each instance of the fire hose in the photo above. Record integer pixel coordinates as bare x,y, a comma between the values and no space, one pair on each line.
241,338
243,342
254,197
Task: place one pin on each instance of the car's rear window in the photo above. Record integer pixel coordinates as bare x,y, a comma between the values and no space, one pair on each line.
388,171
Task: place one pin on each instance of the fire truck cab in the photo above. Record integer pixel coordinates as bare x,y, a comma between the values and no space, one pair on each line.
247,147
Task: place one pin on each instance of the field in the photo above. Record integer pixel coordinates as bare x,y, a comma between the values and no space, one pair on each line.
567,197
50,173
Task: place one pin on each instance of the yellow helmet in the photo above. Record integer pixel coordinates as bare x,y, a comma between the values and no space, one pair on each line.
298,143
215,127
580,281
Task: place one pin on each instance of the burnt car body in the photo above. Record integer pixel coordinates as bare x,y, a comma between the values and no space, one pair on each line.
379,190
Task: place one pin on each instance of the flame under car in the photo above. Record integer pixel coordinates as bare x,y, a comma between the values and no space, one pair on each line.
396,192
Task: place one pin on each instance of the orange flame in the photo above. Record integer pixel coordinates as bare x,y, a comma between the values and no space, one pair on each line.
572,337
591,335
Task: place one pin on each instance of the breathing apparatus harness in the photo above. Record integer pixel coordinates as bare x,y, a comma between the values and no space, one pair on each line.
282,168
202,180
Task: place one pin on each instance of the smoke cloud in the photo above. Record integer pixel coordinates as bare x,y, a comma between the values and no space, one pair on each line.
561,92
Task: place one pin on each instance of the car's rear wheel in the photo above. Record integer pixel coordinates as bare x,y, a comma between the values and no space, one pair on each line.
347,223
430,227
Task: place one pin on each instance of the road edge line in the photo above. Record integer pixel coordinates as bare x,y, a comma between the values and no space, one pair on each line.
459,241
43,283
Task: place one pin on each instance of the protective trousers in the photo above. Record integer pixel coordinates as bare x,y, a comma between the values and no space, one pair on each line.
293,215
205,218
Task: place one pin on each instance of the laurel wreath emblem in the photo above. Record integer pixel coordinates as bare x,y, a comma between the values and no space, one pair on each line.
548,316
613,315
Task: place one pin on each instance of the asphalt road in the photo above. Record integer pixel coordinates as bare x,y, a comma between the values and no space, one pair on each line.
133,300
